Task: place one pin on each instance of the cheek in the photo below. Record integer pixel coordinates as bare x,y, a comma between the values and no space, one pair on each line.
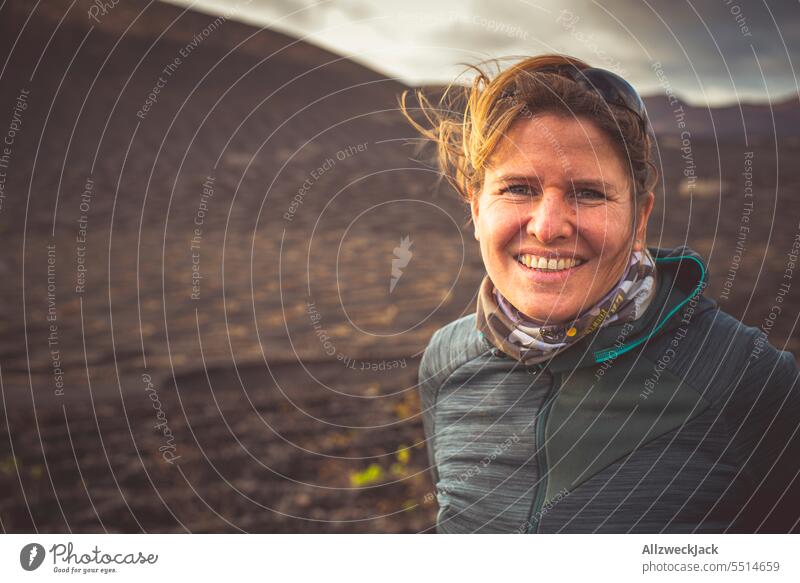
606,233
501,225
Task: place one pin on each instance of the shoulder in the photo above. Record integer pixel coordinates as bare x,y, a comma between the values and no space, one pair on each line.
713,352
722,333
734,363
450,347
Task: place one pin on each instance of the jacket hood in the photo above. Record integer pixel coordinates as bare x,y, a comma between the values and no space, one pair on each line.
682,276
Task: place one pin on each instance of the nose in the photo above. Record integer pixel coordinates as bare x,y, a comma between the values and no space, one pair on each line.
552,217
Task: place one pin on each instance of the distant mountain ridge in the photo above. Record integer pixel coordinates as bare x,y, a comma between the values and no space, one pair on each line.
729,122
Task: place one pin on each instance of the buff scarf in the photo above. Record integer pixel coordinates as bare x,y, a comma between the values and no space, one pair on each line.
513,333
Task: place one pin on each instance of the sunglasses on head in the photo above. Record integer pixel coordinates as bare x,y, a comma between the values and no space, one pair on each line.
610,86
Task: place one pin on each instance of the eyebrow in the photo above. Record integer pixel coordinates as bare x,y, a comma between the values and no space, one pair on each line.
581,182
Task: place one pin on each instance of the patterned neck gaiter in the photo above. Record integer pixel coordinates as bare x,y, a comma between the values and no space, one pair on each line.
513,333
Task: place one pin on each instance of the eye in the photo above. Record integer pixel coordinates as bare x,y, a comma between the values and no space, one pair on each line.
588,194
517,189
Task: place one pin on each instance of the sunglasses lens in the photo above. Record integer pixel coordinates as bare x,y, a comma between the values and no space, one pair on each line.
611,87
614,89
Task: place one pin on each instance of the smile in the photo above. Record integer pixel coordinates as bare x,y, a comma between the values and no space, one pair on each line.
544,264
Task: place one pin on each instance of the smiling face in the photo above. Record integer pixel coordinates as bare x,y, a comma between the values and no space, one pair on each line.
556,192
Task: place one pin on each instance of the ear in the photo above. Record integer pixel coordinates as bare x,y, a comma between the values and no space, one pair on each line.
645,207
474,205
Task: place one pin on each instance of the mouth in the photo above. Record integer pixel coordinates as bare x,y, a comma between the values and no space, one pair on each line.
539,263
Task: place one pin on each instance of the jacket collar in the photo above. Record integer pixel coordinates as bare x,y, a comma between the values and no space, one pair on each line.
682,276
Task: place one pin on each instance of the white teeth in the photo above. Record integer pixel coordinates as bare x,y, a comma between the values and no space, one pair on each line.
536,262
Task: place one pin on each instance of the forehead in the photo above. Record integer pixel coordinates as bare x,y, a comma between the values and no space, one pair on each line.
556,144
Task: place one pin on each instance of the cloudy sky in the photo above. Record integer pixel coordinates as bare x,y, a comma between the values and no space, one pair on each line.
707,51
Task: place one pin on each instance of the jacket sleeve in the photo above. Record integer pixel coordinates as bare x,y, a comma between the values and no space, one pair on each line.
765,416
428,391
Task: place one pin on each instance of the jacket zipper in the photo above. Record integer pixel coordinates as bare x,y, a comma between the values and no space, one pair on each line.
541,458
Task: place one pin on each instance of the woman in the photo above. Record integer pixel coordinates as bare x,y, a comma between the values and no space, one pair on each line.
595,389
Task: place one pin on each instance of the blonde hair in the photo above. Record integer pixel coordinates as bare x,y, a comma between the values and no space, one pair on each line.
468,123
